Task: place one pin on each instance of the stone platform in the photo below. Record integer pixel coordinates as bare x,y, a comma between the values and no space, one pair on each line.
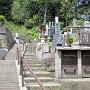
75,84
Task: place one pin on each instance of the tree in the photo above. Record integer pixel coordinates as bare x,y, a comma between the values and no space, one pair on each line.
46,10
20,10
5,8
51,8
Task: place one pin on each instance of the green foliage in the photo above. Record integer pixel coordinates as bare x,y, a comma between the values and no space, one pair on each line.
33,12
70,39
16,11
2,18
80,22
20,10
5,8
64,30
29,23
24,33
33,33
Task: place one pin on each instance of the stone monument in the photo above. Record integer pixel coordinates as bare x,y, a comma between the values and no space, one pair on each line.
85,34
57,36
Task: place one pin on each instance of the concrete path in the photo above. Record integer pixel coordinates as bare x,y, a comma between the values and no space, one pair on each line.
8,72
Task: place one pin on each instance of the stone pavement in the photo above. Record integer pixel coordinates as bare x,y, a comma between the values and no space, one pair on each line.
8,72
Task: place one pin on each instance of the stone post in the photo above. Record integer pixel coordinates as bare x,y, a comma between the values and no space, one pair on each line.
79,64
57,64
74,22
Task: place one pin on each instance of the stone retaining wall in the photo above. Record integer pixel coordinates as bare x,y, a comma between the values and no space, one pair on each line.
6,38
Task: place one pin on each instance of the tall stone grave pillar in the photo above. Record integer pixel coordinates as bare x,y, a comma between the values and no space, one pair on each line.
52,24
49,25
57,37
17,38
42,32
74,22
46,32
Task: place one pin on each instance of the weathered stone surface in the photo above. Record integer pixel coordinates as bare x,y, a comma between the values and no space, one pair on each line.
8,74
76,84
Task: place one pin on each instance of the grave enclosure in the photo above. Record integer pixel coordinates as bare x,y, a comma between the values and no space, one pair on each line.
69,62
72,62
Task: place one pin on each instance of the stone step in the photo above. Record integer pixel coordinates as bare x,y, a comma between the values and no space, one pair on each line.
25,54
37,73
42,79
31,46
48,86
7,64
30,49
3,65
8,88
7,84
35,68
8,73
4,61
30,54
5,80
32,61
34,65
32,58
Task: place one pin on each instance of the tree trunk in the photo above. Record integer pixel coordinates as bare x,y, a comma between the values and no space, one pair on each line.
45,13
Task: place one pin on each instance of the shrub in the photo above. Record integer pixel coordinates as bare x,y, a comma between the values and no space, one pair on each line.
80,22
70,39
29,23
64,30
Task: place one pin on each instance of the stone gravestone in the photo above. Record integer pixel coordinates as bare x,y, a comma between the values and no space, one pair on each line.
57,37
17,38
42,31
85,34
74,22
87,24
73,30
52,32
46,32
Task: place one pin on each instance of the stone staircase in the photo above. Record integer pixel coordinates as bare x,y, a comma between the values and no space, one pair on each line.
39,71
8,74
